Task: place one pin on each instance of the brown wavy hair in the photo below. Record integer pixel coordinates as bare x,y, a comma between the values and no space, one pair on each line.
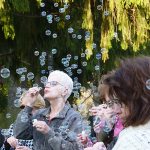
128,84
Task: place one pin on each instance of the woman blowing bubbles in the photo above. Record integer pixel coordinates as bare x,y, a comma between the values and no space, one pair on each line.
53,128
131,85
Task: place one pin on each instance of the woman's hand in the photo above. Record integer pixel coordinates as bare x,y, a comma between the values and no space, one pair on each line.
12,141
41,126
31,96
82,138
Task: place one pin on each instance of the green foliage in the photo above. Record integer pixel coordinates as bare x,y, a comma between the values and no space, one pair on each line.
21,5
3,97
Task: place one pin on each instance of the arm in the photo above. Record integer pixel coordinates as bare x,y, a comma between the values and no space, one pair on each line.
23,124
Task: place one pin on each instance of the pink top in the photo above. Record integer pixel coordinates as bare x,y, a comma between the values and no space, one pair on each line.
118,127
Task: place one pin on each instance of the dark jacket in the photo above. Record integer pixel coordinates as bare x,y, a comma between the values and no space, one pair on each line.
63,129
1,139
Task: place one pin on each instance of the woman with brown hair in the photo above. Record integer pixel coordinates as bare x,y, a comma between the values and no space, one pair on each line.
131,85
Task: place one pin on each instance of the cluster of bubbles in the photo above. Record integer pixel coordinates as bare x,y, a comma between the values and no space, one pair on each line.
55,18
105,125
70,68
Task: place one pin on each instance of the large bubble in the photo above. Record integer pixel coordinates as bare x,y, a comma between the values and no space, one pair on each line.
30,76
5,73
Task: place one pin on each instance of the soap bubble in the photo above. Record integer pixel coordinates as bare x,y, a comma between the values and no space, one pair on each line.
43,79
43,71
103,50
5,132
99,7
50,21
61,10
79,37
44,54
50,68
48,32
42,4
42,58
18,94
97,67
87,33
78,85
75,78
8,115
74,66
54,51
76,57
106,13
17,103
42,62
24,69
107,127
35,85
54,35
22,78
70,74
24,117
30,76
69,56
115,34
49,17
57,19
5,73
84,63
70,30
43,13
19,71
98,56
79,71
55,4
83,55
148,84
18,89
66,63
94,45
87,37
73,36
67,17
63,60
36,53
76,95
66,6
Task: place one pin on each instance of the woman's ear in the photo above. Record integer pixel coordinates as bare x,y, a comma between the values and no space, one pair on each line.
64,92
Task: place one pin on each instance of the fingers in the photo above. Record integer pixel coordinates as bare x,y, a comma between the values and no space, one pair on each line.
12,141
22,148
41,126
82,138
33,91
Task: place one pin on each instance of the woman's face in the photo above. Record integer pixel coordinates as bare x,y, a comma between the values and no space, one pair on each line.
118,109
53,89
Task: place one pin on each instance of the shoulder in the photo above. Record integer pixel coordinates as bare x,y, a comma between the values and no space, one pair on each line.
74,114
133,138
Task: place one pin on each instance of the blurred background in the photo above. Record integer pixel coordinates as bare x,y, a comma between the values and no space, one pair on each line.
84,38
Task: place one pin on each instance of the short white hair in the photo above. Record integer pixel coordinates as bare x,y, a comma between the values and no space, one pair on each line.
64,79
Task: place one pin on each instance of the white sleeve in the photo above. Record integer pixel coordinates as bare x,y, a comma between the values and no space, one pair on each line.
129,140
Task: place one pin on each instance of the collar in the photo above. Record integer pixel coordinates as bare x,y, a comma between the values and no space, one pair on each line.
61,114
